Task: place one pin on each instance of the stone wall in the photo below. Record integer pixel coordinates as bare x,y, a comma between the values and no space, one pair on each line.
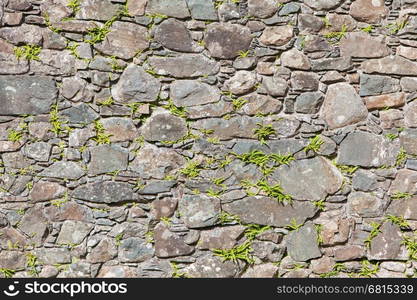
191,138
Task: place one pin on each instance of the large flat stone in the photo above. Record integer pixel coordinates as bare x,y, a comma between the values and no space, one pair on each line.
107,158
199,211
302,243
105,192
361,44
395,65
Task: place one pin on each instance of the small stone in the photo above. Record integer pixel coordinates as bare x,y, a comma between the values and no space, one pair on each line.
342,106
384,101
361,44
395,65
135,250
224,40
309,102
105,192
39,151
288,9
364,180
163,126
295,59
100,10
173,34
391,118
322,265
117,272
261,104
199,211
73,87
369,11
387,244
164,207
367,150
80,113
408,140
322,4
53,256
157,186
73,232
173,8
211,266
309,23
202,10
405,182
104,251
169,244
106,159
35,224
187,93
332,64
9,146
407,52
372,85
241,83
136,7
410,114
302,243
405,207
277,35
244,63
44,190
221,237
262,8
408,84
268,270
275,86
304,81
135,85
364,205
63,169
120,129
12,260
348,252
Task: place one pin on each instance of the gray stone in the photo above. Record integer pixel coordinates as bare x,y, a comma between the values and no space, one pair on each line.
39,151
169,244
342,106
53,256
241,83
202,10
105,192
261,104
275,86
277,35
173,8
410,114
309,102
103,252
304,81
387,244
369,11
135,85
12,260
26,94
269,211
117,272
309,179
24,34
323,4
106,159
173,34
408,140
367,150
213,110
135,250
73,87
55,62
332,64
184,66
371,85
295,59
268,270
395,65
35,225
80,113
124,40
364,205
211,266
302,243
187,93
120,129
199,210
405,207
157,186
288,9
411,164
228,11
364,180
63,169
154,268
163,126
100,10
224,40
73,232
220,237
408,84
361,44
262,8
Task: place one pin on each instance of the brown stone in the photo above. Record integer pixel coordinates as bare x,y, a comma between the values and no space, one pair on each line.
220,237
322,265
410,114
9,146
268,270
136,7
369,11
10,235
12,260
262,8
387,244
104,251
407,52
44,190
173,34
361,44
117,272
164,207
384,101
276,35
406,207
348,252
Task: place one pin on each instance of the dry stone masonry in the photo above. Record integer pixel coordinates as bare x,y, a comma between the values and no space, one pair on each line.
200,138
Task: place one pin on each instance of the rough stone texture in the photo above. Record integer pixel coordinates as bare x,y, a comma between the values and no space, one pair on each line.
169,244
370,11
105,192
302,243
387,244
364,205
174,8
199,211
276,36
192,93
106,159
360,44
173,35
164,127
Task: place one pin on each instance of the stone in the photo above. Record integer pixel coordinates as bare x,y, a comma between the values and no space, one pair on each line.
213,110
372,85
73,87
342,106
39,151
408,139
323,4
304,81
309,102
154,162
262,8
309,179
104,251
73,232
275,86
9,146
70,211
364,180
220,237
261,104
202,10
369,11
268,270
395,65
367,150
295,59
408,84
135,250
173,8
407,52
309,23
24,34
387,244
55,62
322,265
173,34
25,94
211,266
348,252
288,9
164,207
135,85
11,235
384,101
241,83
405,182
124,40
45,190
117,272
35,225
120,129
277,35
80,113
100,10
226,41
63,169
198,211
184,66
269,211
186,93
405,207
391,118
136,7
169,244
157,186
361,44
364,205
332,64
106,159
410,114
53,256
302,243
105,192
163,126
12,260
